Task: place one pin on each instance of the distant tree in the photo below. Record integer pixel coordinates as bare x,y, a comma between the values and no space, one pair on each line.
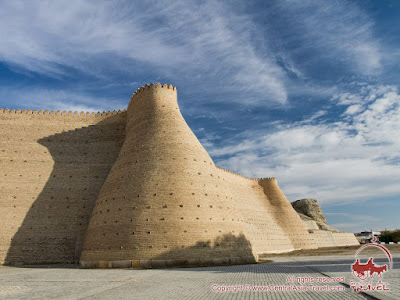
390,236
396,235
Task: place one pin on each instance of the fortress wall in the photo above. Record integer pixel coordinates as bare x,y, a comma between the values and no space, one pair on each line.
311,225
52,166
162,199
258,222
286,216
165,199
323,238
334,239
134,188
345,239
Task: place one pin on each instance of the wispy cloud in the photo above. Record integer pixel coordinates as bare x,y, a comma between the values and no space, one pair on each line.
337,31
364,218
206,40
203,41
348,160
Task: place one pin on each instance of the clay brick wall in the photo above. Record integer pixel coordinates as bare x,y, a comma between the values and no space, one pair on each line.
165,199
52,166
333,239
345,239
133,189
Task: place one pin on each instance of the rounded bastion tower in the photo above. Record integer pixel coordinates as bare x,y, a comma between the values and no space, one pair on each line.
160,204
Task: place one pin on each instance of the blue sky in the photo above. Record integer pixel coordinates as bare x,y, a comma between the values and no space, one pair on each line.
306,91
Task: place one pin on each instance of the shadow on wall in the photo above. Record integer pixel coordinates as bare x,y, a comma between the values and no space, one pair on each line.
226,249
53,229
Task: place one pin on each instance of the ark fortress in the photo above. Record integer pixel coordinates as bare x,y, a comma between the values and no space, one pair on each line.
134,189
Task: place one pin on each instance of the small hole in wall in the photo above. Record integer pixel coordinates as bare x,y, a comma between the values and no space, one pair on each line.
181,205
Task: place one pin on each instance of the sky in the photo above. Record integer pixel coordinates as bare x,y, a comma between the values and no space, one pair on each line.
303,90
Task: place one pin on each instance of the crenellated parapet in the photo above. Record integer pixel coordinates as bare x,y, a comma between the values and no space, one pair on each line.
249,178
266,179
58,113
152,86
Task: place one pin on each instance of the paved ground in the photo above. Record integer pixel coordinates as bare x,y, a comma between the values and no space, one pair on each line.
52,282
335,251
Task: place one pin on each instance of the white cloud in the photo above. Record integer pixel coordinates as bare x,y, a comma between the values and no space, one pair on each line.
176,38
350,160
363,217
353,109
348,98
210,41
340,30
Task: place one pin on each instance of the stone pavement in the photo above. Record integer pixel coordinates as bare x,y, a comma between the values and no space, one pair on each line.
338,266
70,282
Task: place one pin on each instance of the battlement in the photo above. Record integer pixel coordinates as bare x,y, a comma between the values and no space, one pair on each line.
58,113
249,178
151,86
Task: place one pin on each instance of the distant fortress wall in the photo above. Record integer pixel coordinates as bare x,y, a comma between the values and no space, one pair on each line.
133,189
52,166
